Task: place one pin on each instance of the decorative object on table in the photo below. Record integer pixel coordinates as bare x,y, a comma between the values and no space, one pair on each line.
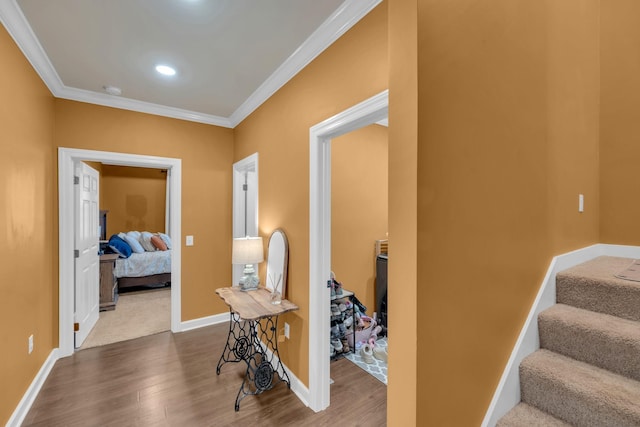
277,262
248,251
276,296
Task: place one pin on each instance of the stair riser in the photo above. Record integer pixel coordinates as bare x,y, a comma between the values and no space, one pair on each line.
599,348
602,297
569,404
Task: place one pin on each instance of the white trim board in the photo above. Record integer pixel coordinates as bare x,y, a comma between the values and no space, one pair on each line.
30,395
202,322
297,386
507,394
66,159
365,113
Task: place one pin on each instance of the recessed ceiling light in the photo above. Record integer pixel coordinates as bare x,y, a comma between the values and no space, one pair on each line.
165,70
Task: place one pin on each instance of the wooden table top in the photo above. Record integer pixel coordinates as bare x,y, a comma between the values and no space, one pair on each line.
253,305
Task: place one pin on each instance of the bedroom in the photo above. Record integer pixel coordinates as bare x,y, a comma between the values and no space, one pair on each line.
132,199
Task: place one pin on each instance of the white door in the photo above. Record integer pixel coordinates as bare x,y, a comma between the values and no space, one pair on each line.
245,204
87,261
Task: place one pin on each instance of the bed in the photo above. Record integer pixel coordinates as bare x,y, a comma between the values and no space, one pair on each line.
145,258
144,269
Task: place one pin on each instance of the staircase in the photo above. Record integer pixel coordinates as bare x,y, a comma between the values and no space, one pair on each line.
587,371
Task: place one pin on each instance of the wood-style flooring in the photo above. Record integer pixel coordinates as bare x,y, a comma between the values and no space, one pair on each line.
170,380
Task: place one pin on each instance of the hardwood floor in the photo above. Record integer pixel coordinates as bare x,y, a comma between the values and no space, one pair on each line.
170,380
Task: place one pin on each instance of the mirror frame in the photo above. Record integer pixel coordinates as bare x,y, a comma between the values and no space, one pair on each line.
285,261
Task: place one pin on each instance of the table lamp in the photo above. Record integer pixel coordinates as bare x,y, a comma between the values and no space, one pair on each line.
248,251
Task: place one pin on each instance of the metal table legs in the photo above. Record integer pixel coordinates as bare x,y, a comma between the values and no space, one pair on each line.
255,342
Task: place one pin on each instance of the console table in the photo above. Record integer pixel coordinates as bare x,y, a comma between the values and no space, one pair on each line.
253,329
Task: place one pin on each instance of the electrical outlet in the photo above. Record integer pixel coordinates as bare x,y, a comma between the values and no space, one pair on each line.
286,330
30,343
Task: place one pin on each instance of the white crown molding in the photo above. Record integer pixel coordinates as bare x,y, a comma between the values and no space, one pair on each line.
140,106
349,13
345,17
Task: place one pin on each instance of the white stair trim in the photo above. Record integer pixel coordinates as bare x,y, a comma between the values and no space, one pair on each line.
507,394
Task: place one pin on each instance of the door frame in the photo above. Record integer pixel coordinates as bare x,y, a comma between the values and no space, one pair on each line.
365,113
66,159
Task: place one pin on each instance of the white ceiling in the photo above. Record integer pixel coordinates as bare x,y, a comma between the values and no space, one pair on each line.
230,55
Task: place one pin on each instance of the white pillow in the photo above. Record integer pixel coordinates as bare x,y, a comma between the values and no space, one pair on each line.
166,239
134,243
134,234
145,241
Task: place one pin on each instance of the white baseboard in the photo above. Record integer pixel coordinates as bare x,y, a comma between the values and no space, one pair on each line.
507,394
203,321
32,392
297,386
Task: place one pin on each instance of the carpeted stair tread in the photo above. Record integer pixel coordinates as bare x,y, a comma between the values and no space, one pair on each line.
523,415
593,286
577,392
602,340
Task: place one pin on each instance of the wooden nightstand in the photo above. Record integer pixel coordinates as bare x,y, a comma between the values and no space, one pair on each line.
108,294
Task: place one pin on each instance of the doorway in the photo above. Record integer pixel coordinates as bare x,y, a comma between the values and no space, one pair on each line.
66,159
365,113
359,223
245,204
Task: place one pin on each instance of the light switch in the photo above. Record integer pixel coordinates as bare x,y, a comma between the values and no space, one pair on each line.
581,203
189,241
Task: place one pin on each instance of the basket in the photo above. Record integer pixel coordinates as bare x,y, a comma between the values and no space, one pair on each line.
362,334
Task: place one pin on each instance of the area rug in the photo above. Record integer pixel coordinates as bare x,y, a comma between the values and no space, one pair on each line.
137,314
631,273
378,369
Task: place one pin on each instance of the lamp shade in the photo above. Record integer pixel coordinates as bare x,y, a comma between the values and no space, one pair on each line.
247,250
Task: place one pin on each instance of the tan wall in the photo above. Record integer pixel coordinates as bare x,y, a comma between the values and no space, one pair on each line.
134,197
620,123
507,137
359,205
353,69
402,388
494,124
27,197
206,153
